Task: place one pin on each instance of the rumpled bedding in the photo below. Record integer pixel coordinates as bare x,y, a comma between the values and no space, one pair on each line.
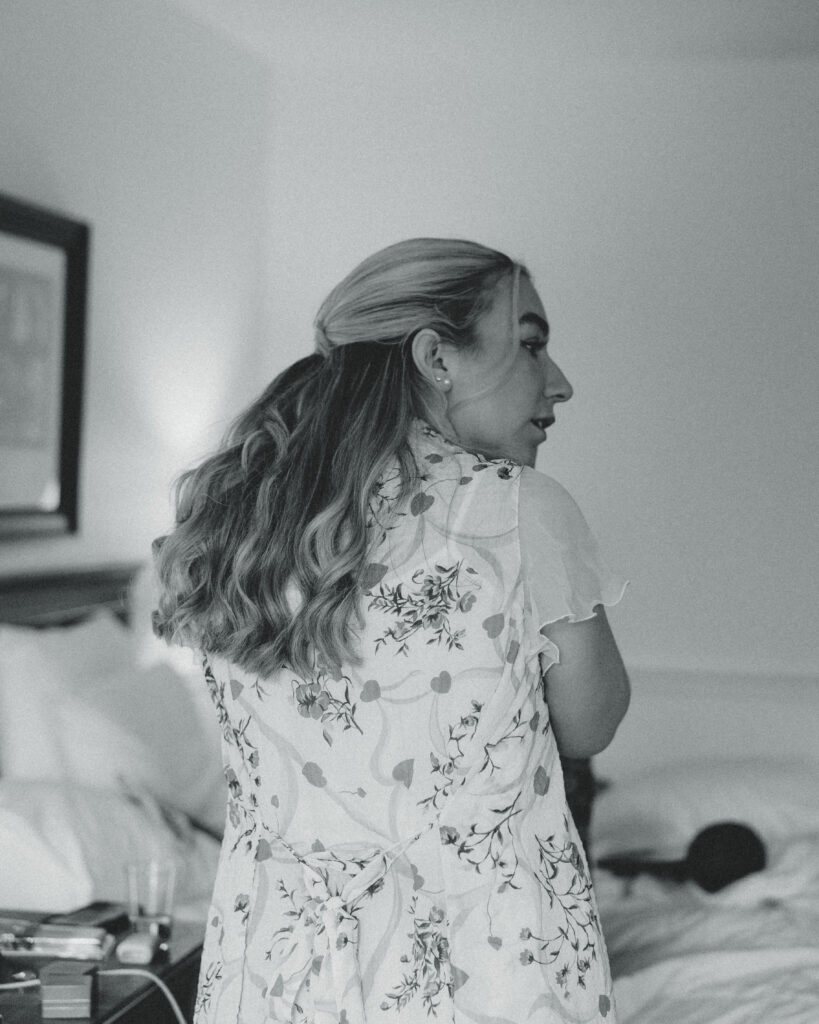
748,954
750,987
63,845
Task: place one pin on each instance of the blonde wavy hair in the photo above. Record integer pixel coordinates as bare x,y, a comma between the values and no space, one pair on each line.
282,508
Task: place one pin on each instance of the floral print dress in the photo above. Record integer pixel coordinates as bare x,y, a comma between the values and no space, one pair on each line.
398,845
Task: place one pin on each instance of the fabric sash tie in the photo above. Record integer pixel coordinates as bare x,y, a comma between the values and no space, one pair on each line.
323,945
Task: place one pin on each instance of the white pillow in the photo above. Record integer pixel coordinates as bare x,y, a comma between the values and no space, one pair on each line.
63,845
139,729
663,810
74,705
186,667
31,663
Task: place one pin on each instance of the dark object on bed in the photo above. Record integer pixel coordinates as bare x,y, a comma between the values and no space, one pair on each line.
59,598
717,856
724,853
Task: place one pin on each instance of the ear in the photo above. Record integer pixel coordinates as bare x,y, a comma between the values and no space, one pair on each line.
430,355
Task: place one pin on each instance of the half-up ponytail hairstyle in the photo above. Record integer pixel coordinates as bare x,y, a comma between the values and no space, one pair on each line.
266,563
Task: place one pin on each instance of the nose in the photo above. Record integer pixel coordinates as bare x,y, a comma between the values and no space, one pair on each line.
557,387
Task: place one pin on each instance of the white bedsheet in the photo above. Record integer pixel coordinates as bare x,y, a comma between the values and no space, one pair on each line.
746,955
750,987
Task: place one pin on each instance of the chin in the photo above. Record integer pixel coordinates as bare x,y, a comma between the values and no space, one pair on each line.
525,454
522,453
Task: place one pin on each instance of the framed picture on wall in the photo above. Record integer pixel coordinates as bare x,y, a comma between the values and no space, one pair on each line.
43,286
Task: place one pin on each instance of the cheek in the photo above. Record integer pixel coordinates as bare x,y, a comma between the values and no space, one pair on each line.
523,389
506,408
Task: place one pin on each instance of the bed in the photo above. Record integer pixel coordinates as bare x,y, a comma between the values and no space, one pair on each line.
749,952
109,750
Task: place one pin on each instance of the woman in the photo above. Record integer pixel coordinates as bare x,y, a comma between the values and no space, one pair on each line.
384,592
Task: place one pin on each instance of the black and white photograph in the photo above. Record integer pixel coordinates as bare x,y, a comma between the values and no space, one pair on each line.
409,479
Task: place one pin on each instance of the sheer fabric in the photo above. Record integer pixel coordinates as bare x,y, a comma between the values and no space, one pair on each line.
398,844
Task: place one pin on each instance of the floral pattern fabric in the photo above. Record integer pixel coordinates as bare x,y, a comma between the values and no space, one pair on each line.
398,845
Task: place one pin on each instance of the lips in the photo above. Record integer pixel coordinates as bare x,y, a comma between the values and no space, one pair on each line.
542,422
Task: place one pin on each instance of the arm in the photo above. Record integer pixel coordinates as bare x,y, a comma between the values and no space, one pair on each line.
568,586
588,691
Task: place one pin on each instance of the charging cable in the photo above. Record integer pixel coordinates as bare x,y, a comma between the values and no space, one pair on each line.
157,981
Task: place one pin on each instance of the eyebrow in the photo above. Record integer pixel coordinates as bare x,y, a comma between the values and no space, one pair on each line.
538,321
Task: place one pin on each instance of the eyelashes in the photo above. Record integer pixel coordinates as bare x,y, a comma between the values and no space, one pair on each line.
533,346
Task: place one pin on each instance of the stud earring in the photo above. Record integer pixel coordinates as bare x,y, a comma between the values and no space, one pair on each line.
445,382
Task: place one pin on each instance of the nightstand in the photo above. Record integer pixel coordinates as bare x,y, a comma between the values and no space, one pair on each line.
123,999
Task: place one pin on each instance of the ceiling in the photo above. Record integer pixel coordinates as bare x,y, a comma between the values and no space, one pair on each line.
284,31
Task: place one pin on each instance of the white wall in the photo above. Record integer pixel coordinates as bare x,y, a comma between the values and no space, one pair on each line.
142,122
655,166
678,717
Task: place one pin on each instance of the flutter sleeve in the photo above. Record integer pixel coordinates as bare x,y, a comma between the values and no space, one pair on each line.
564,574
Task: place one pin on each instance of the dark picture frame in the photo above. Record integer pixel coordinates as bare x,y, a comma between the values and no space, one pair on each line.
43,298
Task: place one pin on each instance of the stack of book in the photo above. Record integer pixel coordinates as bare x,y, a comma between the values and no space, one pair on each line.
86,934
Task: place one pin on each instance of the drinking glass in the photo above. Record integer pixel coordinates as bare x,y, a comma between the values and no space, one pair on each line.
150,896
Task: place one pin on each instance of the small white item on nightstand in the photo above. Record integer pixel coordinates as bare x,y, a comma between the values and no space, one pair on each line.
137,948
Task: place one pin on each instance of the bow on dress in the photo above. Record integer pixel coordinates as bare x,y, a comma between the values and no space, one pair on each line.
324,939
